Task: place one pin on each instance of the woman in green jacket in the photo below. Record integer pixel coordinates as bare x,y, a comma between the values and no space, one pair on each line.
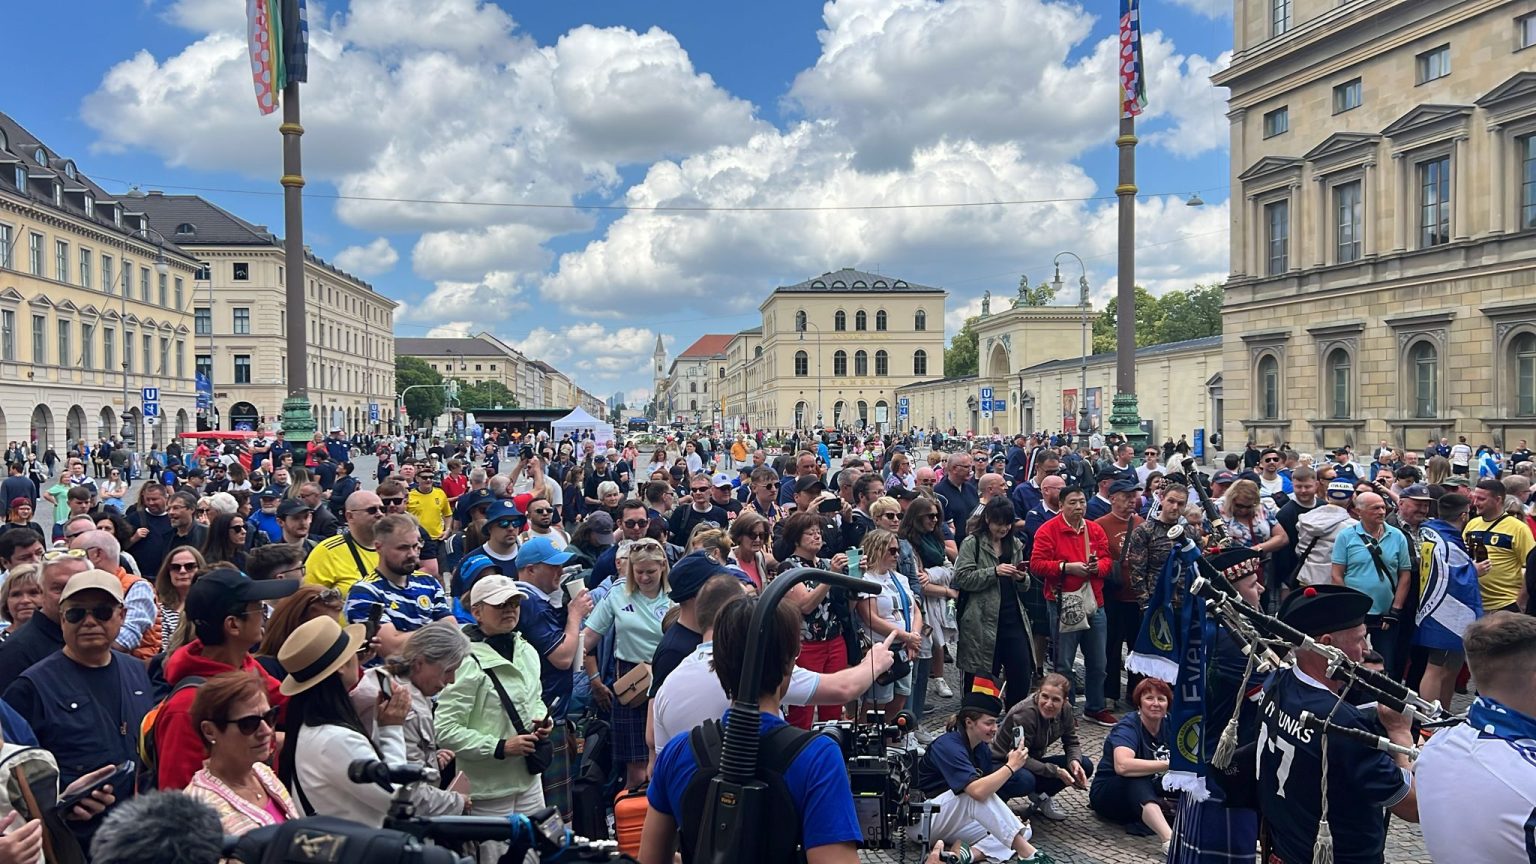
472,719
994,629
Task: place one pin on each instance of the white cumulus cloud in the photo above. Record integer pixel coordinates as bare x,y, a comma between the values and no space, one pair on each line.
371,260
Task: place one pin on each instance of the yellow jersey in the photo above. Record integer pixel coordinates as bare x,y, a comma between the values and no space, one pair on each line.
431,509
1509,543
332,564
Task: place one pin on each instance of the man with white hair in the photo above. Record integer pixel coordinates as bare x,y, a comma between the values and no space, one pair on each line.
140,634
41,635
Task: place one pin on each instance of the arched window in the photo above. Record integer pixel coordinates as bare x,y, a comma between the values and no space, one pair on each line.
693,404
919,361
802,364
1424,371
840,363
860,363
693,386
722,371
883,409
860,320
882,362
863,413
880,320
1269,387
837,412
920,320
800,321
800,409
1522,352
840,321
758,351
1338,384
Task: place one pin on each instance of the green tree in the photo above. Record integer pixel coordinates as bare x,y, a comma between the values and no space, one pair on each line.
482,395
1042,293
1190,314
961,358
1149,317
424,404
617,413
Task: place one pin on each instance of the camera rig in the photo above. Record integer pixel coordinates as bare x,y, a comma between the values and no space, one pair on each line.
880,772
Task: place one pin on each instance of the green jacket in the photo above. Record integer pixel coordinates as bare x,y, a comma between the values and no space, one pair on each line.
471,721
980,599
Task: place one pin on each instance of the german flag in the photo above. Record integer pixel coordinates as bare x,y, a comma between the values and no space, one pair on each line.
984,695
987,686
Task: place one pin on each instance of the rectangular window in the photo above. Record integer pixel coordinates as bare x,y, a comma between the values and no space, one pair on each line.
165,356
35,252
1279,17
242,368
242,320
1525,30
204,272
107,274
241,271
162,285
5,247
87,258
61,261
8,335
202,321
1277,122
108,346
144,284
203,364
1435,202
179,293
1434,64
1277,221
1349,207
65,358
128,351
87,346
181,358
39,339
148,344
1528,181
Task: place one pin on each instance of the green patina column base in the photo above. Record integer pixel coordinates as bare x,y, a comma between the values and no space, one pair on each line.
298,418
1125,419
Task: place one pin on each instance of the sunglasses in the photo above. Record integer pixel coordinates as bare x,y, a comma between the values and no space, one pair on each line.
371,511
328,597
237,527
759,535
204,509
542,511
890,515
391,502
636,523
248,725
56,554
76,614
507,523
894,550
699,490
189,567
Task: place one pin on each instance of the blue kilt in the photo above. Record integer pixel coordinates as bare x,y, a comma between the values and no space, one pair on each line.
1209,832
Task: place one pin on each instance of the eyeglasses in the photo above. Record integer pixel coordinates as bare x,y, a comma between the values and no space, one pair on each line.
699,490
76,614
933,516
1271,458
371,511
328,597
189,567
204,509
56,554
299,570
542,511
890,515
392,502
759,535
894,550
248,725
636,523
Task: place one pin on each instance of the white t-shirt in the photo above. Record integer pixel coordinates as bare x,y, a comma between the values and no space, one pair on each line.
692,694
1477,797
888,601
556,539
1461,454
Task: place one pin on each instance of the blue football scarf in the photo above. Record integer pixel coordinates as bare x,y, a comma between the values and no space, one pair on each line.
1173,646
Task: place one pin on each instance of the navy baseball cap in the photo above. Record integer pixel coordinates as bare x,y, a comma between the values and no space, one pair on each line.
503,509
1124,485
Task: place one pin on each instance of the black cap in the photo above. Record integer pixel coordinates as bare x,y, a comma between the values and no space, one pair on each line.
690,573
902,493
984,695
292,507
217,592
1319,609
476,498
196,472
1124,484
269,492
808,483
1223,477
1109,474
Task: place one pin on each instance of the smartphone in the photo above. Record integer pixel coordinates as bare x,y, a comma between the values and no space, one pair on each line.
120,780
375,615
1018,738
853,562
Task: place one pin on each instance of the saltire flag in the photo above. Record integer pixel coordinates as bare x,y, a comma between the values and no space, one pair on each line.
1133,86
277,35
1451,598
1173,645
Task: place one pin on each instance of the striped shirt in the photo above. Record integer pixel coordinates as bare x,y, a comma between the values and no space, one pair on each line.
412,607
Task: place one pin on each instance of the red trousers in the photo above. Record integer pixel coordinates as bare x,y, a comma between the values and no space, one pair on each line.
828,656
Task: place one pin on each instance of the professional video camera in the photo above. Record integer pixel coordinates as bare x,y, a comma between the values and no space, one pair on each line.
879,771
405,837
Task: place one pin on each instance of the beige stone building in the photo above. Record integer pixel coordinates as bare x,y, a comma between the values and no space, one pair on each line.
94,307
240,326
1383,222
696,383
485,357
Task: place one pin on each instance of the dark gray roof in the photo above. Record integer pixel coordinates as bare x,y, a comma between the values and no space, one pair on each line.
212,225
953,379
1203,343
848,279
442,347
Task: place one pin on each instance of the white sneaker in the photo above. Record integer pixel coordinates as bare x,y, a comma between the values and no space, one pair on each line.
943,688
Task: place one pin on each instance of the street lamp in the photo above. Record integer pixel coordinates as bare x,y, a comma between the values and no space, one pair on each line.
1082,396
803,325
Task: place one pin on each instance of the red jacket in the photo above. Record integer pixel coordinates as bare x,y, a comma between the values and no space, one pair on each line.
179,747
1055,544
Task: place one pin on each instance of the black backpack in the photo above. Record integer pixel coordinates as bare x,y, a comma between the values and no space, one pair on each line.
776,752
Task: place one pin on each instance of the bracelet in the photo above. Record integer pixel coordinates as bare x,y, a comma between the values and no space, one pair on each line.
1011,772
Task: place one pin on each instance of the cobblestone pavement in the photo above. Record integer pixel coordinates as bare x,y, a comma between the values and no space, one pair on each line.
1084,838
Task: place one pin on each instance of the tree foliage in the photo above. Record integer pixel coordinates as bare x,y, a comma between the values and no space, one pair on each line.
961,358
424,404
1173,317
1041,294
482,395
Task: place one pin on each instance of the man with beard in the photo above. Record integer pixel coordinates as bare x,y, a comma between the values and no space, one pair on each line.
541,523
152,529
411,599
183,513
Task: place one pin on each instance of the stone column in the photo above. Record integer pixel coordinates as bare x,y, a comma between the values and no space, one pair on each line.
1498,158
1321,218
1461,206
1241,220
1293,252
1368,229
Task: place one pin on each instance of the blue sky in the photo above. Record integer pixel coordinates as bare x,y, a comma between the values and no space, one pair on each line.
599,102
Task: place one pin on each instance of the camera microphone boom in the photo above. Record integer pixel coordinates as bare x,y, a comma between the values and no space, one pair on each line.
374,771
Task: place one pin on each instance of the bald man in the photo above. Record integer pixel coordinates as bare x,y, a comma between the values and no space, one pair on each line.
349,556
1372,558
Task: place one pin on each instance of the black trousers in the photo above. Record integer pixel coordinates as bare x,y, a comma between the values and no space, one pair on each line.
1124,620
1013,658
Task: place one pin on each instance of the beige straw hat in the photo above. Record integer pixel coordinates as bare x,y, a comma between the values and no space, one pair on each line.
315,651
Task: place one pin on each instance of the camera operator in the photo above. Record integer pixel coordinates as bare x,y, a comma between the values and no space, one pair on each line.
817,816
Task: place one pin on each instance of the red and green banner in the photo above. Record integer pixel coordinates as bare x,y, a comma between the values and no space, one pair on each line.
277,33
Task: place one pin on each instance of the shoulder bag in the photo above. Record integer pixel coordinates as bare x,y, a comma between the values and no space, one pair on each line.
633,687
1076,608
543,754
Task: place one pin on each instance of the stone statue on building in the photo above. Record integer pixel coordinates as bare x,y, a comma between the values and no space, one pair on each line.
986,304
1023,299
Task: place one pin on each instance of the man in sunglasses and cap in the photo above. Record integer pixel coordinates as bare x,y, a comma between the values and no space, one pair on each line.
86,701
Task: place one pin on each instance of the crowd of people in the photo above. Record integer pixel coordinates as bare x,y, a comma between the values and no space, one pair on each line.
574,626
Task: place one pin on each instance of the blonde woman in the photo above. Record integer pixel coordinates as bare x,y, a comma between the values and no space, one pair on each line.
712,540
632,611
894,609
20,597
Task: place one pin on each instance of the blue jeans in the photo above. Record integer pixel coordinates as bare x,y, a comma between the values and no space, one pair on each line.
1092,641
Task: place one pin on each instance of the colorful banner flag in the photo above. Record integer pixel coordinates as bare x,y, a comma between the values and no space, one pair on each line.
1449,586
264,36
1133,87
1173,646
296,40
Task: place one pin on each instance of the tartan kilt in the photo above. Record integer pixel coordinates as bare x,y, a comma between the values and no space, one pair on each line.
556,779
628,725
1209,832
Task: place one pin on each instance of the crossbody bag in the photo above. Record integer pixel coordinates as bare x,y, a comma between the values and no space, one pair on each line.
543,754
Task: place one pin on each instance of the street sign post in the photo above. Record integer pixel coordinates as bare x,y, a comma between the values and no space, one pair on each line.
373,412
151,421
151,409
150,394
986,402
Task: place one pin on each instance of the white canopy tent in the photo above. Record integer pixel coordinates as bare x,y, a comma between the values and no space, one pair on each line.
579,424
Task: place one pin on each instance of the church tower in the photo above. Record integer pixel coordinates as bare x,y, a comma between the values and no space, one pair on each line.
659,359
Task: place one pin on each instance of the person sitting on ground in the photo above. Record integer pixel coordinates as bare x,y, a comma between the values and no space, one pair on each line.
1040,721
1126,787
